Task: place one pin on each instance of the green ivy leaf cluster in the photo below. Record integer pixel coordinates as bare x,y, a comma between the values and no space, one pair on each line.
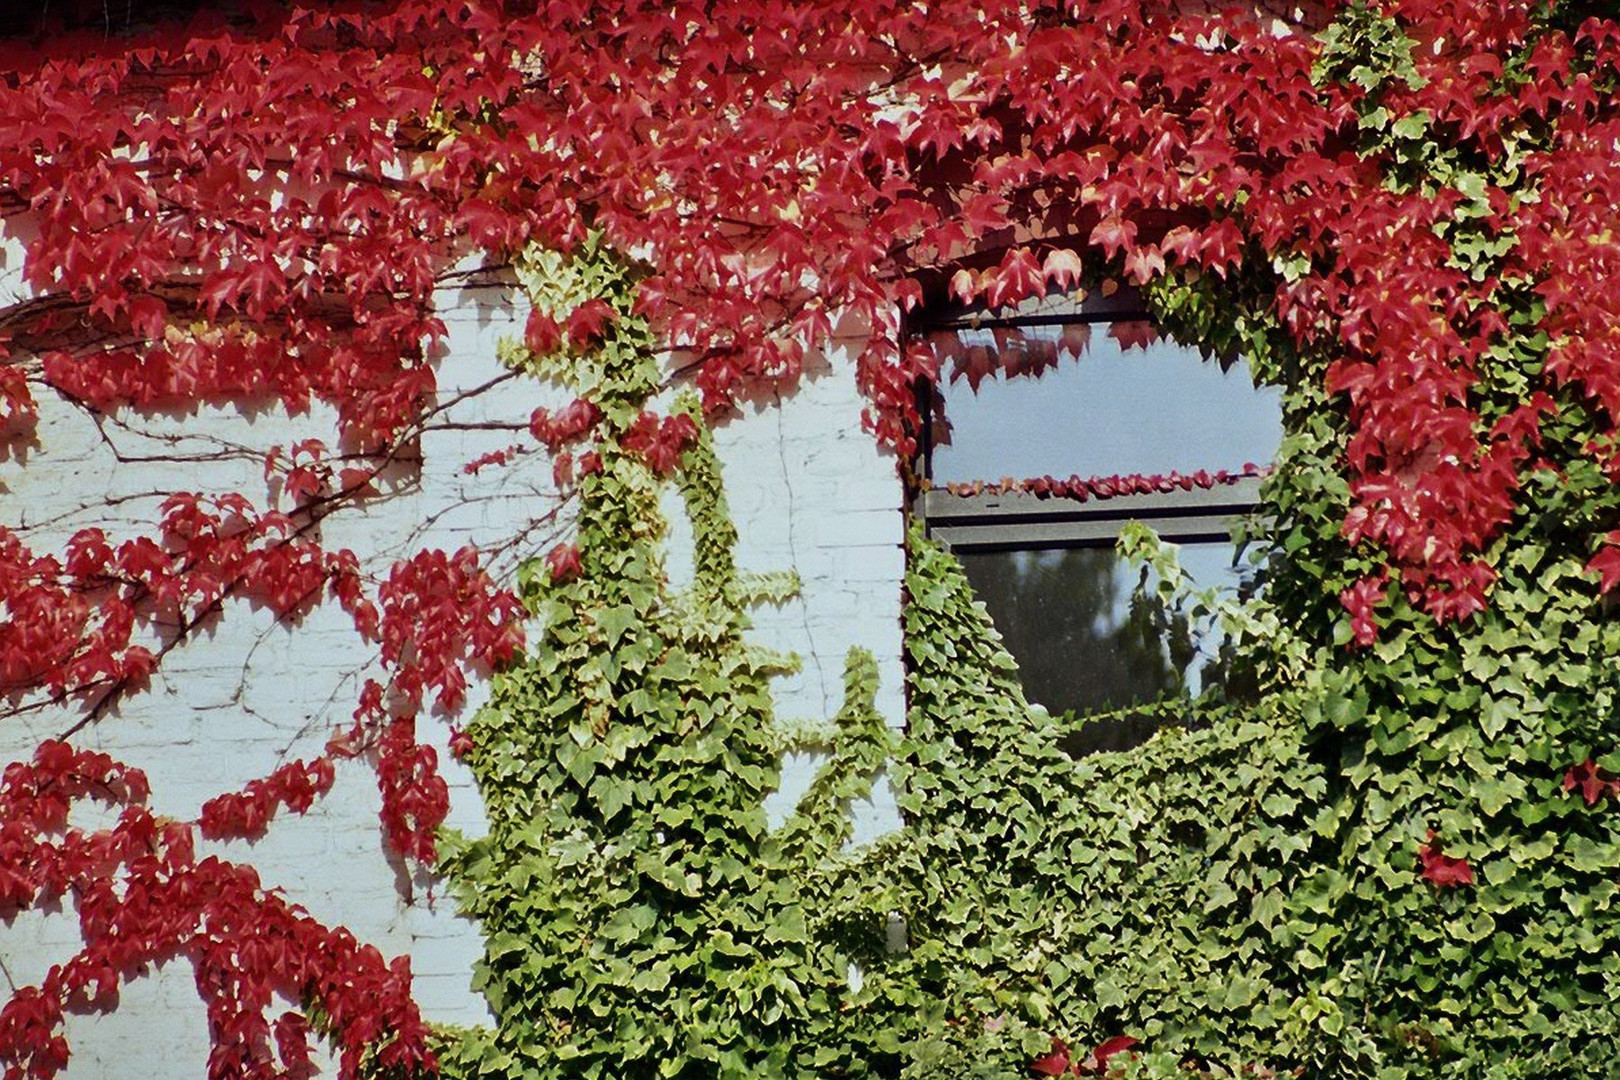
1250,893
640,919
1144,893
1245,893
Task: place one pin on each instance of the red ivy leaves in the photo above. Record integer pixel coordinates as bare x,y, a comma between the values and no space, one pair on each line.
571,422
75,623
563,563
143,896
492,457
415,797
326,293
1606,563
1055,1063
1587,778
1020,275
587,321
246,814
31,1040
1061,1062
441,614
1442,870
461,743
1360,600
1083,489
54,637
18,410
660,443
541,334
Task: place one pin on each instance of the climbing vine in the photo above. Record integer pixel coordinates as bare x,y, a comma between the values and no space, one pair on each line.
639,914
1394,857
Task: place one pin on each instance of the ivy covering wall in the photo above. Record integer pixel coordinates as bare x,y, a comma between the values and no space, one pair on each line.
640,917
1392,860
1392,853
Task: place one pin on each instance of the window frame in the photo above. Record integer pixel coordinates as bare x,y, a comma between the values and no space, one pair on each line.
1016,520
992,519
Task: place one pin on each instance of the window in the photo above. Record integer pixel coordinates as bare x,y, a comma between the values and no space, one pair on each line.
1050,427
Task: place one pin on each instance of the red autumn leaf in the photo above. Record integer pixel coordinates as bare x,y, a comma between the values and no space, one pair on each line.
541,334
18,410
148,315
1114,235
964,285
586,322
489,225
1606,563
1063,268
492,457
575,419
1442,870
461,743
1018,277
1359,600
1054,1063
563,562
1144,264
1107,1049
660,443
302,483
1587,778
540,426
984,213
570,422
415,797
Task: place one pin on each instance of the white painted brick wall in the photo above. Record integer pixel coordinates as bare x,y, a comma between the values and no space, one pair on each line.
810,492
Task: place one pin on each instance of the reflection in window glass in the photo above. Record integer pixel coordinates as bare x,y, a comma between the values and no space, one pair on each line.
1098,399
1082,386
1086,640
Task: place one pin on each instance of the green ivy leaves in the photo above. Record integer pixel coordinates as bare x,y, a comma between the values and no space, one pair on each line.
640,918
1282,887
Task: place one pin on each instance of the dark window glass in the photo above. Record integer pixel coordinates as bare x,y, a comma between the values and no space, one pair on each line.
1090,636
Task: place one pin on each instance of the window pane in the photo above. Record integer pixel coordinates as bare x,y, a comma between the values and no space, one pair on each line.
1087,641
1101,399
